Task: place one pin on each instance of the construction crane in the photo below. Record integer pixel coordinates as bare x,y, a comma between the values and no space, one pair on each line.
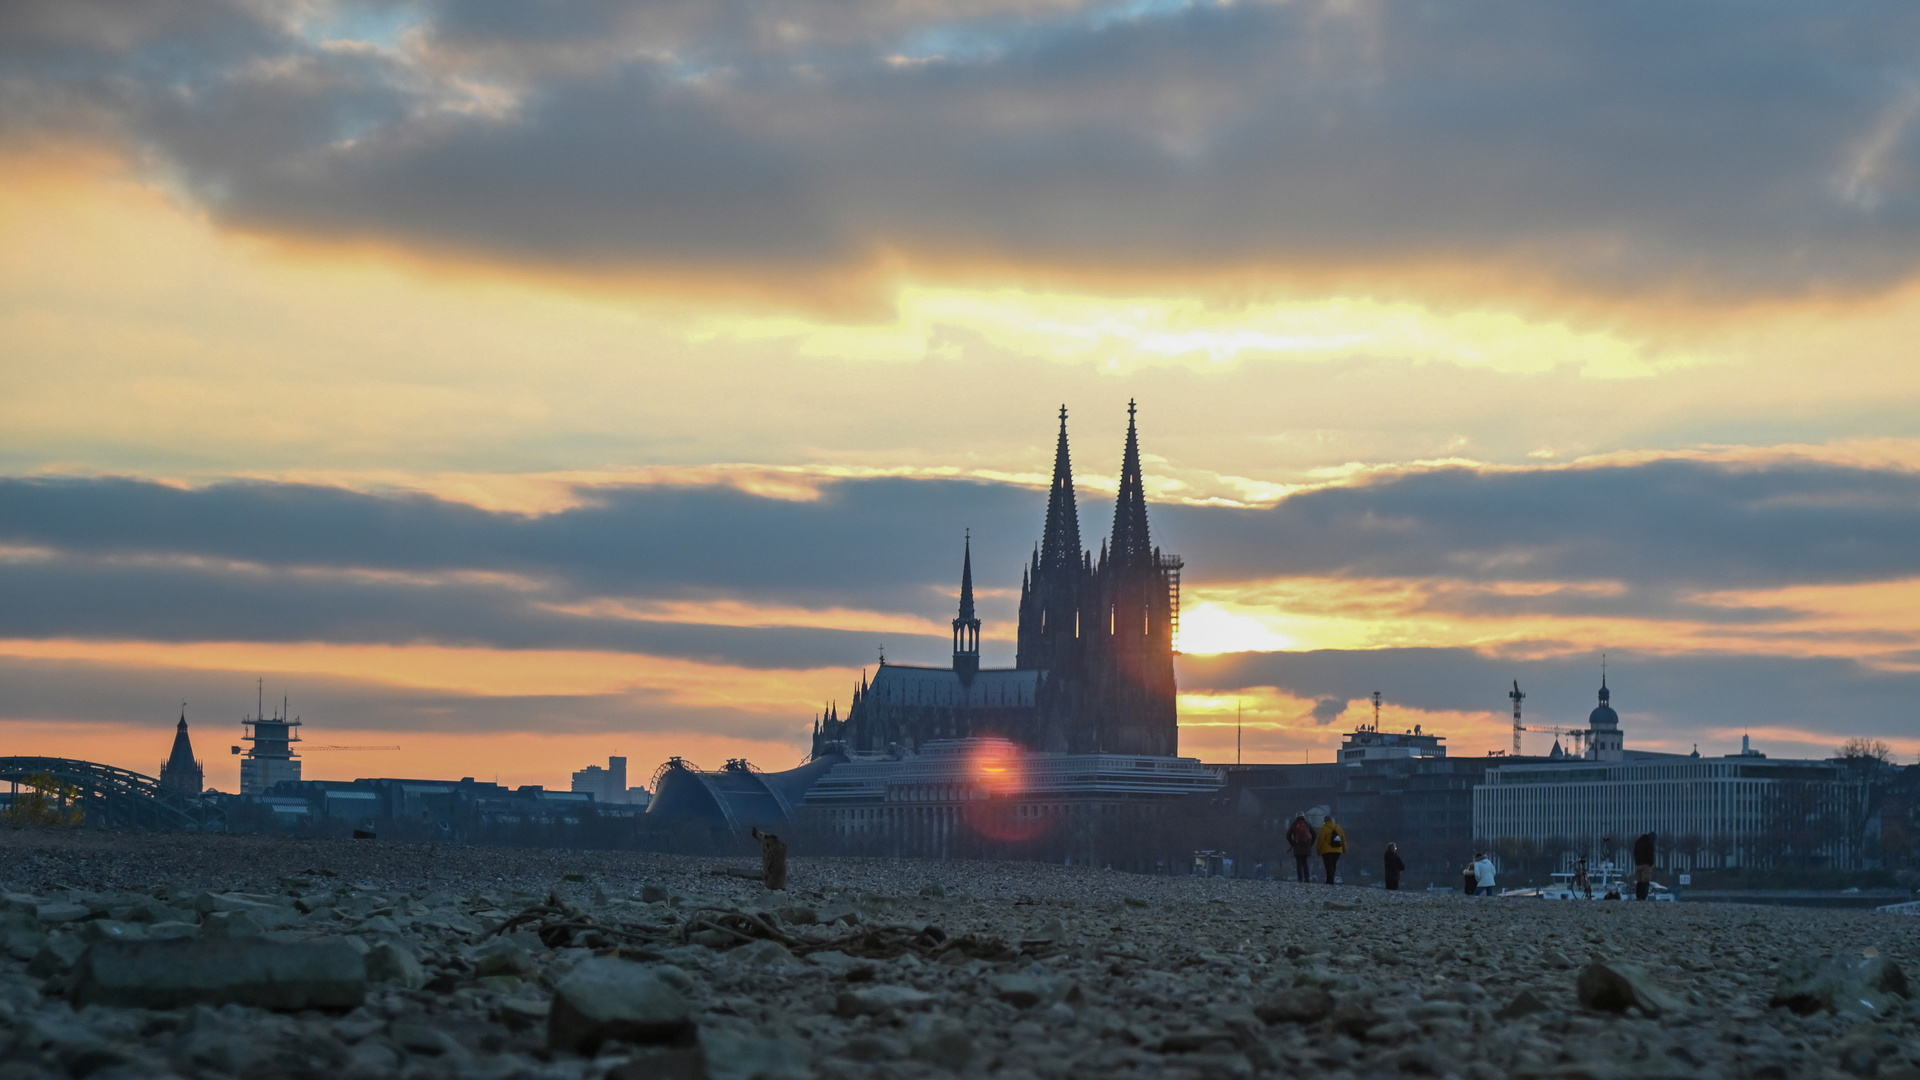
1517,697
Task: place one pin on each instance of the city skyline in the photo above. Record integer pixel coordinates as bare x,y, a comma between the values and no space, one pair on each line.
620,381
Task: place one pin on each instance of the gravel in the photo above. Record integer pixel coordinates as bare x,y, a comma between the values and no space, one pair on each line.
907,968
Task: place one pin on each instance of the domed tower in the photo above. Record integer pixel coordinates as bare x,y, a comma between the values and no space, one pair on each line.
1604,739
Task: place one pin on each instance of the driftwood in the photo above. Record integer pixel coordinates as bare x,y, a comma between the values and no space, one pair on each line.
773,859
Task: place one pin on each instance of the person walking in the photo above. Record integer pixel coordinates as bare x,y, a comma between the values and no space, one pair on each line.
1580,878
1395,865
1643,850
1300,840
1331,845
1482,874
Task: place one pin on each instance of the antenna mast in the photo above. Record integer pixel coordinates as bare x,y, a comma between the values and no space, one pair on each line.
1517,697
1376,710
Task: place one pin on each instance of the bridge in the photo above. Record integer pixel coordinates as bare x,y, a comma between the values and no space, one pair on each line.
110,796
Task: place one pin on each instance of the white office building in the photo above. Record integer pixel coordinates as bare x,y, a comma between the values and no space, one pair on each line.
1739,810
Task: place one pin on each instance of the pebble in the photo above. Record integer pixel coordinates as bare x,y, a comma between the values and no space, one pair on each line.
1067,972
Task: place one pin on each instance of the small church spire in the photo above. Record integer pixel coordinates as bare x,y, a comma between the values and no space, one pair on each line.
966,626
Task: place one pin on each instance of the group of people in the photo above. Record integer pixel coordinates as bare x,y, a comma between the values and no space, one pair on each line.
1329,841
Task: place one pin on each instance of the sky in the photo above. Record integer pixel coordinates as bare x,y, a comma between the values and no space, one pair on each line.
524,384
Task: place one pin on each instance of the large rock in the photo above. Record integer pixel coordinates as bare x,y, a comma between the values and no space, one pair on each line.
1857,986
1610,987
216,971
605,998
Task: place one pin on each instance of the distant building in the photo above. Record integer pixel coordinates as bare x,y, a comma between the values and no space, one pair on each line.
182,775
1740,810
1093,671
271,760
608,786
975,798
1372,744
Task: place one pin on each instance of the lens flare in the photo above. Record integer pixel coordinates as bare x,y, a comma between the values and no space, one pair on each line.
998,774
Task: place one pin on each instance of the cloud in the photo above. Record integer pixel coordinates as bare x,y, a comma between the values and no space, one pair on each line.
632,569
1663,524
1664,700
1623,148
1328,709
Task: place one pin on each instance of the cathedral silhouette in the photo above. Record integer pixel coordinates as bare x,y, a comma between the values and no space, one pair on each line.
1094,668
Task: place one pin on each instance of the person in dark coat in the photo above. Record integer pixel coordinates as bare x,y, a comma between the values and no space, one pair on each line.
1300,840
1643,852
1395,865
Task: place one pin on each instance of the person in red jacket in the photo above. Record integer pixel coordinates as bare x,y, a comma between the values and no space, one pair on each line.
1300,840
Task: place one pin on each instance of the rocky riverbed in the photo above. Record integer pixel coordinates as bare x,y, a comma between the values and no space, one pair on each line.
142,955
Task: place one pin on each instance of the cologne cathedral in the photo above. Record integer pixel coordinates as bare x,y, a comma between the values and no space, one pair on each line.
1094,667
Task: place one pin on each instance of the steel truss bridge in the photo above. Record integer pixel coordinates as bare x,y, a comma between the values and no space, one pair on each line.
110,796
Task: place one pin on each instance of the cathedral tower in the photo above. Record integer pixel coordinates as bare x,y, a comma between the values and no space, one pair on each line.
1130,707
1052,590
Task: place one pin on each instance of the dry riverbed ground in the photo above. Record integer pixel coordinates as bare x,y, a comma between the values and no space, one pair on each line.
137,955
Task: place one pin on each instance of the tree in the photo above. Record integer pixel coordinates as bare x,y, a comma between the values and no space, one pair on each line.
50,802
1864,750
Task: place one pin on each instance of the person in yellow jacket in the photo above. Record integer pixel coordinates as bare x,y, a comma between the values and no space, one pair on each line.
1331,845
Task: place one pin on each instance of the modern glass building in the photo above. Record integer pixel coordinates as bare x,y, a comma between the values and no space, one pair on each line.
1741,810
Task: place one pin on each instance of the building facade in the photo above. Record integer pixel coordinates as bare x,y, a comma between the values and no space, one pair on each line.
991,798
608,786
271,760
1741,810
1094,665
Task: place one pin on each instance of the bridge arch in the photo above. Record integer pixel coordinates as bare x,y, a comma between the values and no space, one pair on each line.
111,796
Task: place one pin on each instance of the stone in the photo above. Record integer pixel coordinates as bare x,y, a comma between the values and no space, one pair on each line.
503,959
653,894
230,924
604,998
933,890
764,954
419,1038
160,931
516,1010
1614,987
1296,1005
1024,991
245,971
942,1041
1524,1003
798,915
1340,905
61,912
734,1055
880,1000
390,962
57,954
1859,986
